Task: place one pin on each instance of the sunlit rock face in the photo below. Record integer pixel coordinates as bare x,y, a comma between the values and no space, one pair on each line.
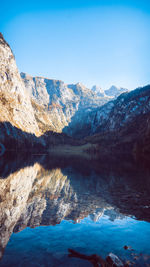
15,104
57,104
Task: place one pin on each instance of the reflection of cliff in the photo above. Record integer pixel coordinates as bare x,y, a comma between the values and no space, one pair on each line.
33,196
36,195
14,193
66,197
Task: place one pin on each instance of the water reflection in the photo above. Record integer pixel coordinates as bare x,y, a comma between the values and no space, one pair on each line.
41,190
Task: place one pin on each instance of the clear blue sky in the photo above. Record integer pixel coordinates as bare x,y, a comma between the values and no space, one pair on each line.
93,42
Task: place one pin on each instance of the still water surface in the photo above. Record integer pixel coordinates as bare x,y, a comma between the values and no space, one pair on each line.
48,206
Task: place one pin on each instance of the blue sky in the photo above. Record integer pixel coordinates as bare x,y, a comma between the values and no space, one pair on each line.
93,42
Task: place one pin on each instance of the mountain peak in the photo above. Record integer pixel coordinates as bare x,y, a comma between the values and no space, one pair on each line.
98,90
2,40
79,84
115,91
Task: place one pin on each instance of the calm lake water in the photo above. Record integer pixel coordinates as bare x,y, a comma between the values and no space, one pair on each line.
49,205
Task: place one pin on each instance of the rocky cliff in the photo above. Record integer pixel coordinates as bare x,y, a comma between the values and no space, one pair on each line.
17,119
15,103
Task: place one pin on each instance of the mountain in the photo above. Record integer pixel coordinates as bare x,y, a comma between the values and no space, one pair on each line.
98,90
122,124
56,103
37,112
114,91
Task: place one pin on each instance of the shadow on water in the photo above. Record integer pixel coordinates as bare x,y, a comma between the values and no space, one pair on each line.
43,190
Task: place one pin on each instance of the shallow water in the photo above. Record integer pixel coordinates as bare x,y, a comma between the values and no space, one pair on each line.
48,206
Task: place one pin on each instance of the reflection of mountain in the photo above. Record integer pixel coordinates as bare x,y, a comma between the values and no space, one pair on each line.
109,211
34,195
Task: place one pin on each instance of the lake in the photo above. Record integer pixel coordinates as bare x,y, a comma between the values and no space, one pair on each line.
51,204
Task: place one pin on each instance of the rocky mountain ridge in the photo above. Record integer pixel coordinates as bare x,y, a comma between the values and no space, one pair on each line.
115,114
55,103
112,92
115,91
123,124
58,106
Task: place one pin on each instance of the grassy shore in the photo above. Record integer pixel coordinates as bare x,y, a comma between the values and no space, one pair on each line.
86,150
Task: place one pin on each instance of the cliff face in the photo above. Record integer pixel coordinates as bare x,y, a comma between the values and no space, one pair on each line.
15,104
56,103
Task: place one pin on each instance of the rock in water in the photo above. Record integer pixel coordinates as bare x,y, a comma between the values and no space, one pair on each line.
114,261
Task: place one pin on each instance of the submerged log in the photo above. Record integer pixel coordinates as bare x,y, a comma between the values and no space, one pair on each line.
111,260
